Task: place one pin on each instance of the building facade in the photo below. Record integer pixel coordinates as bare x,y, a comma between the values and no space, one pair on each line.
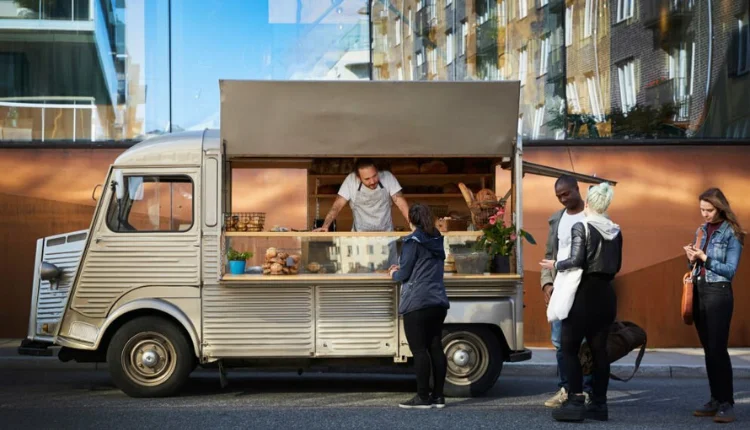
651,93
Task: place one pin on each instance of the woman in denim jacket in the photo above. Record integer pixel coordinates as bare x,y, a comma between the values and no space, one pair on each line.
717,257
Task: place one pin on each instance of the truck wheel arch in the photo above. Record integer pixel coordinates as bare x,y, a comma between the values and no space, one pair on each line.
143,307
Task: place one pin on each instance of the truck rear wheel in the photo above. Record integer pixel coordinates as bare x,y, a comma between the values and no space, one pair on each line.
475,360
150,357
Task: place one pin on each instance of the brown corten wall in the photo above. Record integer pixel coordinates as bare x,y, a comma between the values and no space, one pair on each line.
48,191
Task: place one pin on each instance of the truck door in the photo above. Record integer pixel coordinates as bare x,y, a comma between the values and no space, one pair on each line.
147,234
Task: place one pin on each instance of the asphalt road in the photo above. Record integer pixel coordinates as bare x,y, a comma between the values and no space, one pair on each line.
87,399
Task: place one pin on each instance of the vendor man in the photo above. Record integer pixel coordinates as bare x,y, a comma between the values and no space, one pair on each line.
370,194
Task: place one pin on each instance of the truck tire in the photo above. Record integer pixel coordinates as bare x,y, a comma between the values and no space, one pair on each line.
475,360
150,357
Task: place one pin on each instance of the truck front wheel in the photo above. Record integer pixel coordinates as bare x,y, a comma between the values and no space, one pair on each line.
475,360
150,357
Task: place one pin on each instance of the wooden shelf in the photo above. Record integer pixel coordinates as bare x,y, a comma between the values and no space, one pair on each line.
457,176
339,233
412,196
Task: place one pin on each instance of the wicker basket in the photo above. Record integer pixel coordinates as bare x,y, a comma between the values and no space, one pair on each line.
244,221
482,211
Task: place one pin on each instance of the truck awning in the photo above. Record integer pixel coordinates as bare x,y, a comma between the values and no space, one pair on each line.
367,118
553,172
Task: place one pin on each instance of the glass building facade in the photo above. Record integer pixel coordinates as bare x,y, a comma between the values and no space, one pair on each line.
121,70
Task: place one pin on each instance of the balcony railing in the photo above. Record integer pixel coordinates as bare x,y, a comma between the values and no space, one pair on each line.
32,118
674,12
660,93
487,34
50,10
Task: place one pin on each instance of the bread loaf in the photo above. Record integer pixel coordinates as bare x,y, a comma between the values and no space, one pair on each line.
404,167
434,166
486,195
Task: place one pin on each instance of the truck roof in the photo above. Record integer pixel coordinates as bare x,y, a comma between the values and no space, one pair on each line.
175,149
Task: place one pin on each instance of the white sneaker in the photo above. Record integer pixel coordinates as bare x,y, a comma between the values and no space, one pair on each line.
557,400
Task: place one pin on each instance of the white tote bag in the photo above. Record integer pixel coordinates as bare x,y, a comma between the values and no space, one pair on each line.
565,287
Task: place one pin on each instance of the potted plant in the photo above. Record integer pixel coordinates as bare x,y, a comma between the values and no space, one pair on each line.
237,261
498,239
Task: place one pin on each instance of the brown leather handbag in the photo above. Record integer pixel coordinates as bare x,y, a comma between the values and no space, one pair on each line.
687,288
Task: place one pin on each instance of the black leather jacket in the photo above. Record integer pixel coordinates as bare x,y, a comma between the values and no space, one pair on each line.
595,255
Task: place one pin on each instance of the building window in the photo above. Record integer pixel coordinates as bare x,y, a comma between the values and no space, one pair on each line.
448,2
588,19
743,45
399,31
502,14
449,54
538,121
370,249
400,73
409,69
543,3
594,100
625,9
523,61
464,38
409,21
432,61
574,103
420,60
523,8
543,56
626,76
680,72
420,4
569,26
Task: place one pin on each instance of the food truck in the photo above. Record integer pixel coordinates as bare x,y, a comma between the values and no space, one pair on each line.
154,289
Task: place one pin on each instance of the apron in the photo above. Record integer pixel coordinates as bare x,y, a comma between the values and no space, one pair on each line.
371,210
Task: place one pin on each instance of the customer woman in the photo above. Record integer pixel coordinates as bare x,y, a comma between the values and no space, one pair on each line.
424,305
597,249
715,262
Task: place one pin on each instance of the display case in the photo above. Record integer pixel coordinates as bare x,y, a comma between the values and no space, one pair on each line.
342,255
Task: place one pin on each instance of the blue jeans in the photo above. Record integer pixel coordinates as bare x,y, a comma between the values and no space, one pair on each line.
556,338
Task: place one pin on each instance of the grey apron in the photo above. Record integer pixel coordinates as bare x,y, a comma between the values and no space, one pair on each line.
371,210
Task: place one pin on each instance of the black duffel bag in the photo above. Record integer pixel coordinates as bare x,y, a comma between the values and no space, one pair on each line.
624,336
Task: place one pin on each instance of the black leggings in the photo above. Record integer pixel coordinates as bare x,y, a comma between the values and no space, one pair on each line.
424,331
713,304
593,311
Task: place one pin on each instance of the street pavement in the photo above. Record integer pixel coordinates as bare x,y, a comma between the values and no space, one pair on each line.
83,399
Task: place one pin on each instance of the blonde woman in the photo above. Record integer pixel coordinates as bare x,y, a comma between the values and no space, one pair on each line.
718,256
596,247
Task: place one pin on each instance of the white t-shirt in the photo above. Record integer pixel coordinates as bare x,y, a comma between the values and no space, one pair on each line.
351,184
564,229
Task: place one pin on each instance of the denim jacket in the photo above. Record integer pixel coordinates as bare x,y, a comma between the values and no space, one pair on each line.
723,254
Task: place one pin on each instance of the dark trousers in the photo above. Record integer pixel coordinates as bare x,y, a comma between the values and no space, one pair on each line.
593,311
713,304
424,332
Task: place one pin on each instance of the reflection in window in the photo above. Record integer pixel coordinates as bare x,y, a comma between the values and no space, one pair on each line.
543,55
743,44
569,25
538,121
626,76
625,9
574,103
449,47
596,105
588,18
151,204
681,62
523,63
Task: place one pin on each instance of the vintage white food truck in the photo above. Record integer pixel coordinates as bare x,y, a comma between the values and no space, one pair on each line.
147,287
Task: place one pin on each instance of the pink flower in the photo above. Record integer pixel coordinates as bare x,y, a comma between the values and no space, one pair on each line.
493,220
513,236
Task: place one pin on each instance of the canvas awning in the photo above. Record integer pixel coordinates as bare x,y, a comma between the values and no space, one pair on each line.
366,118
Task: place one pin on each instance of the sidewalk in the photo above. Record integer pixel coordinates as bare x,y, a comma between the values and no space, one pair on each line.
657,363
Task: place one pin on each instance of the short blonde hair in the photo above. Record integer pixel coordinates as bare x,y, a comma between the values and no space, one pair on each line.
600,197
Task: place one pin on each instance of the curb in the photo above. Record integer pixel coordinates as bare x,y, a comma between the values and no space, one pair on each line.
509,369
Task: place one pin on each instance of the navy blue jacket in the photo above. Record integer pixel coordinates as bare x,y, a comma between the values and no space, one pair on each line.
421,273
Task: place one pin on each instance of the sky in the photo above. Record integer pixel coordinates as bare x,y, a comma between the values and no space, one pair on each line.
244,39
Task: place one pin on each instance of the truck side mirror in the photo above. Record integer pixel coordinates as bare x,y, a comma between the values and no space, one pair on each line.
50,272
